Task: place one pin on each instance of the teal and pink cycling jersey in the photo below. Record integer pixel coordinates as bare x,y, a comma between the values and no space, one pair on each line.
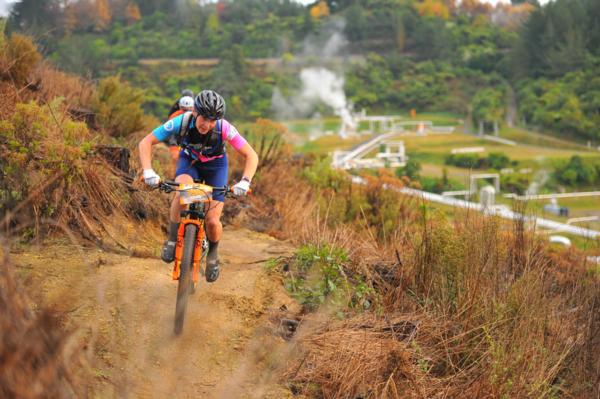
201,147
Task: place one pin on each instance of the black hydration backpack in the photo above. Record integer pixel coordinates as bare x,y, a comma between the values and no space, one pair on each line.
214,143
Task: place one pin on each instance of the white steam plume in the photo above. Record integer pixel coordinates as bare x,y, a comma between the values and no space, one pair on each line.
329,44
320,85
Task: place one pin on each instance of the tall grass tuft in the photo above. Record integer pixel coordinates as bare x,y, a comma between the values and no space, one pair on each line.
37,358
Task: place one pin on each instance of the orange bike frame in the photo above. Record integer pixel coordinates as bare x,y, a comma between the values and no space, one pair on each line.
197,251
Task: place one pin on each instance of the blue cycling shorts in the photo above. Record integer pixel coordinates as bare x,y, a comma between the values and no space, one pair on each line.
213,173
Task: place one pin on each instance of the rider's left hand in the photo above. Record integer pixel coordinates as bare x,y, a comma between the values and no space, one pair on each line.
241,188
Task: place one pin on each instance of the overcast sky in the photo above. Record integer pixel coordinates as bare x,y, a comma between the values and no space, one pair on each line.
5,4
4,7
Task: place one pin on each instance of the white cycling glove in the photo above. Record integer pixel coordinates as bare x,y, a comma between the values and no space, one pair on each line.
151,178
242,187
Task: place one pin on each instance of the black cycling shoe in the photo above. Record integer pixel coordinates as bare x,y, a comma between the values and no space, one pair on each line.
168,251
212,270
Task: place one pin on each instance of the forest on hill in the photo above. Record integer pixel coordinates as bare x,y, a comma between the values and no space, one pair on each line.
434,55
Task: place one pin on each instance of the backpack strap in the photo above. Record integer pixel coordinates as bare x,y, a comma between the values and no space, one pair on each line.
185,127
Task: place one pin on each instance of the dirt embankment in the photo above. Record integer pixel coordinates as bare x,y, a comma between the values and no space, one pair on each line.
124,307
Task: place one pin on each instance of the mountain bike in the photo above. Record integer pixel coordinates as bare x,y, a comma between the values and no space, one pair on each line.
192,245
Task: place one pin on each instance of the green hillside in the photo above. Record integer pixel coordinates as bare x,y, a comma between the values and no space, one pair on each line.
538,65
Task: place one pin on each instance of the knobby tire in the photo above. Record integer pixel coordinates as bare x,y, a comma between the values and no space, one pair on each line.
184,286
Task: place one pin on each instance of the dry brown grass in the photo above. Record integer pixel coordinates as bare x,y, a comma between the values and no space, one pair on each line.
37,358
25,77
366,356
53,173
496,311
77,92
280,204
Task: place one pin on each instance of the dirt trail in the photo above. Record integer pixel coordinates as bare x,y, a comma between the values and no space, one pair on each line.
124,306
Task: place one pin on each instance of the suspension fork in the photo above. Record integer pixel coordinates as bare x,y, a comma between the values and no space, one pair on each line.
198,249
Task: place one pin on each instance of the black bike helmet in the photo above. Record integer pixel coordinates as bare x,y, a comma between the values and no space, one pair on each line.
210,104
187,93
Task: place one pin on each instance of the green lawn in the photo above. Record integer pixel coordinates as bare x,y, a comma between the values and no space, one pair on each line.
327,144
440,145
523,136
304,127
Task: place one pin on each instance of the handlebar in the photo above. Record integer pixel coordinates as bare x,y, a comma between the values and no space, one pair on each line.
169,186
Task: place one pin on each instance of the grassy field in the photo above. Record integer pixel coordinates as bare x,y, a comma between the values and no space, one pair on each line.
431,151
305,127
523,136
327,144
440,145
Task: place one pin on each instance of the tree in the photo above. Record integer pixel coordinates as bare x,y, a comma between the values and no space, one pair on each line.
132,13
577,171
148,7
319,10
231,75
355,22
410,170
70,19
473,8
399,31
488,107
432,39
102,15
34,17
433,8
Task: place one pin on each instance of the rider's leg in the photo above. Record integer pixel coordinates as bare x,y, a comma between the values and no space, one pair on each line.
214,229
215,174
176,208
168,250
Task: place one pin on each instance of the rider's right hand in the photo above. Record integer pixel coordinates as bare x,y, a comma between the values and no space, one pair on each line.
151,178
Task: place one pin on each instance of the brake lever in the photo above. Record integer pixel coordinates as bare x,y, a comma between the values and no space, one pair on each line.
165,188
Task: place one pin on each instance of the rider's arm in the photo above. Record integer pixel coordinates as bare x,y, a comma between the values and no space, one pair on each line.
159,134
251,160
145,148
231,135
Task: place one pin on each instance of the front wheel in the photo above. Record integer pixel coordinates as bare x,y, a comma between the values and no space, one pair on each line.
185,275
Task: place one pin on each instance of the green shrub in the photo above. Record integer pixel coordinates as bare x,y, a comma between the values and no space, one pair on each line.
578,171
439,185
118,107
495,160
462,160
515,183
36,147
317,275
18,59
410,170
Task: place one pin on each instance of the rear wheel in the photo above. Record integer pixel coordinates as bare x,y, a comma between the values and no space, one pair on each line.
185,275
